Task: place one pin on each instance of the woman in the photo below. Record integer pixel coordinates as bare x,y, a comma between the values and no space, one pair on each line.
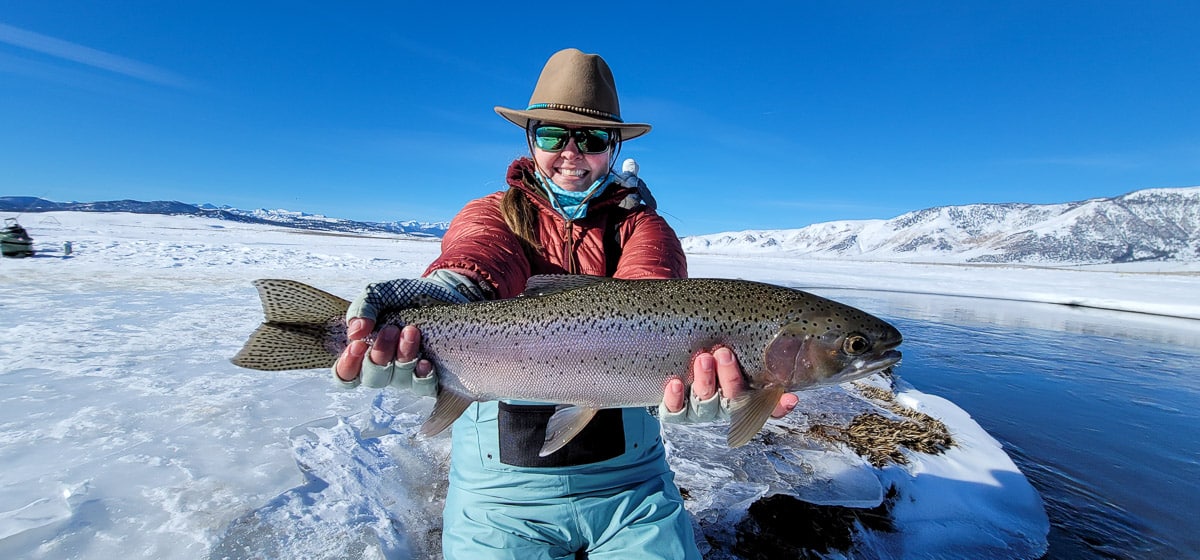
609,492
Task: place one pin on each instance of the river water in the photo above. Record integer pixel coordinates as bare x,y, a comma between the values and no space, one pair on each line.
1100,410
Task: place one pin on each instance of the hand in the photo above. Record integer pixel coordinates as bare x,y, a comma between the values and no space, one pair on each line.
392,359
393,345
406,293
713,372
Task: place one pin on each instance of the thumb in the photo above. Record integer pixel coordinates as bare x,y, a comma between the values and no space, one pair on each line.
359,327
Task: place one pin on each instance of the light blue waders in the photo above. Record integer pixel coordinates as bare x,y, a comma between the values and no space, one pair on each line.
623,507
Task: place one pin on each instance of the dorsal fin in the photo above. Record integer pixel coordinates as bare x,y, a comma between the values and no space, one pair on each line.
543,284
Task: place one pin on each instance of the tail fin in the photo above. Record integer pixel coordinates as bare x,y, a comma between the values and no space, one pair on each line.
289,301
283,346
298,328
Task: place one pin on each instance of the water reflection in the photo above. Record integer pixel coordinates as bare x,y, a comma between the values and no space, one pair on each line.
968,311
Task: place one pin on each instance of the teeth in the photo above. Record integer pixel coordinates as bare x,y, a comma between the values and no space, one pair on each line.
573,172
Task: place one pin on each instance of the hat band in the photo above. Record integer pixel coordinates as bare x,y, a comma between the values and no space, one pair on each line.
574,109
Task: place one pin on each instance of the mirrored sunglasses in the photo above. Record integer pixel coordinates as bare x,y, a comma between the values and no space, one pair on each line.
588,140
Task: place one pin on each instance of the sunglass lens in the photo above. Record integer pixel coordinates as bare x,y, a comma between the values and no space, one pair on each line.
551,138
593,141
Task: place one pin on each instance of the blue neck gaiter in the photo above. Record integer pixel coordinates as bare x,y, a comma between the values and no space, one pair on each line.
570,204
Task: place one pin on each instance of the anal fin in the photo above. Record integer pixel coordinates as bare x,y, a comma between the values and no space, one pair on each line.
449,406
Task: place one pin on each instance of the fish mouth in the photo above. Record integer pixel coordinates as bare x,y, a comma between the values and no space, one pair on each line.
864,367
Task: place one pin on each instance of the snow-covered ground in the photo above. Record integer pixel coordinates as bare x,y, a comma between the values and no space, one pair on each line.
127,433
1135,287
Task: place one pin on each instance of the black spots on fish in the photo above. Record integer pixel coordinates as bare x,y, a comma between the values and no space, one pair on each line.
835,323
288,301
286,346
630,329
335,337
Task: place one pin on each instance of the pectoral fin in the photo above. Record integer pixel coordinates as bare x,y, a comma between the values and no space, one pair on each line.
564,425
750,411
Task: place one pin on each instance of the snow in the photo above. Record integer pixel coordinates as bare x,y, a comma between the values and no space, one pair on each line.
1134,287
1156,227
126,432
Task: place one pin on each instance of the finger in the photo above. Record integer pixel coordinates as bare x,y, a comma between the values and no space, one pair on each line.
423,369
350,362
704,376
673,395
786,403
729,373
410,344
384,348
359,327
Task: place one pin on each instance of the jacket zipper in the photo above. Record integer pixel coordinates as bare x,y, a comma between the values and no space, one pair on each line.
569,247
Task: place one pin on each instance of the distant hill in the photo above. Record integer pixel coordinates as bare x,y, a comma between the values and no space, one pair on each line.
1146,225
281,218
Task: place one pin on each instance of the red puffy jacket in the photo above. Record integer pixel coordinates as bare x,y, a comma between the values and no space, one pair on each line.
480,243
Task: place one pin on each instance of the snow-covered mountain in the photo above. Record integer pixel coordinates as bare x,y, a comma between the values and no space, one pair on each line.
285,218
1146,225
1152,225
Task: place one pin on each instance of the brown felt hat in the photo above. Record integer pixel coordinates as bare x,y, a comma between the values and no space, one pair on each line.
575,89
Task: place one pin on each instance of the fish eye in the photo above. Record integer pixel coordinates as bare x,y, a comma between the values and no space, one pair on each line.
856,344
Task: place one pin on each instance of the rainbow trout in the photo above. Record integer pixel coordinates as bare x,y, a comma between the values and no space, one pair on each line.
593,343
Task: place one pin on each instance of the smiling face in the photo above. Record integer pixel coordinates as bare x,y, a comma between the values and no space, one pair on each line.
569,168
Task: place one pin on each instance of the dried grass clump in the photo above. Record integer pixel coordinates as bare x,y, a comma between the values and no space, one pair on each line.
880,439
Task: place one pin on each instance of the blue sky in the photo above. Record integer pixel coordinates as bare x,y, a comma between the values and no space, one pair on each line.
766,115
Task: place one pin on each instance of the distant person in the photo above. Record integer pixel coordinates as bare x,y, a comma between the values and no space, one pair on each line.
609,492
